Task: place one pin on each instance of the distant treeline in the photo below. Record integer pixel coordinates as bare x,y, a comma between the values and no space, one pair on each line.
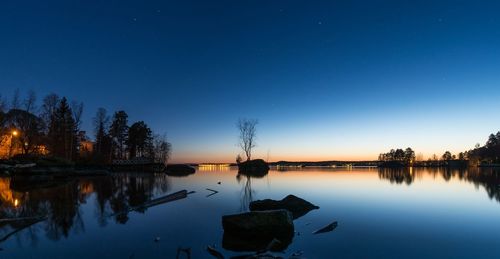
398,157
331,163
54,129
486,155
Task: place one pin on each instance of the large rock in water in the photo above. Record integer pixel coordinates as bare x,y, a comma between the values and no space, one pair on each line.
254,168
297,206
179,170
254,231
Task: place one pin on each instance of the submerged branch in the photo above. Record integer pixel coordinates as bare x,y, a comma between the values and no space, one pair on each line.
327,228
20,219
35,221
213,192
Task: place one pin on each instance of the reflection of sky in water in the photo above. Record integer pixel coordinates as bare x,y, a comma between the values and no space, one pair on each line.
400,214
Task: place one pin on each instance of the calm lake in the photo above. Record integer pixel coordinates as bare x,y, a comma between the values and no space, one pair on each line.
384,213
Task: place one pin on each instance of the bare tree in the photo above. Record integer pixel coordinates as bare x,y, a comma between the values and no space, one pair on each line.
77,108
3,105
15,100
161,148
48,109
238,159
248,131
420,157
101,120
30,102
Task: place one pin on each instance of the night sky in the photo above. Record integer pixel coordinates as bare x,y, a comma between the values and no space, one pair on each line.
326,80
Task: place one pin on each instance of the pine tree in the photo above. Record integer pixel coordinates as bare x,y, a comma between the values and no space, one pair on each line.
103,142
140,140
62,135
119,133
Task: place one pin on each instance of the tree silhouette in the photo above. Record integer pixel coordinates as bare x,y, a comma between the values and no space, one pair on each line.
248,131
161,148
102,146
492,141
447,156
62,137
140,140
49,107
119,133
29,126
399,155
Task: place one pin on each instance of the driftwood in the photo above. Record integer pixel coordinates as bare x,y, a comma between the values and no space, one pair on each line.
213,192
168,198
327,228
214,252
171,197
260,256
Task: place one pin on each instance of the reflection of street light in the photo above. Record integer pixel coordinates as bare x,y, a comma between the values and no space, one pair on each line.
14,133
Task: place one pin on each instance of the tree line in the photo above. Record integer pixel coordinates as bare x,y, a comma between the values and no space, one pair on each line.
481,155
406,156
487,154
54,129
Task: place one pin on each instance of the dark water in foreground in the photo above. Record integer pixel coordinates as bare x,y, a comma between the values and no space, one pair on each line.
421,213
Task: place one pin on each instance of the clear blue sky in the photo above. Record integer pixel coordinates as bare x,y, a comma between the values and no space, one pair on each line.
326,80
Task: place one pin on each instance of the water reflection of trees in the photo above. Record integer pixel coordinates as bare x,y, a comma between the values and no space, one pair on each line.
119,193
60,205
488,178
397,175
247,192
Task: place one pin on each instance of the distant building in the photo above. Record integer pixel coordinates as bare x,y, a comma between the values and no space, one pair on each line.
86,145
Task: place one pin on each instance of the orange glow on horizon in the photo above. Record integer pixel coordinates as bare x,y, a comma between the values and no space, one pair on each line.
350,156
226,160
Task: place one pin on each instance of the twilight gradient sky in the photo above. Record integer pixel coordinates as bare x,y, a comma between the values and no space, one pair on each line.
326,80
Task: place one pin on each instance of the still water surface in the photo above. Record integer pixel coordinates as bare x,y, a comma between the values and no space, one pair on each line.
410,213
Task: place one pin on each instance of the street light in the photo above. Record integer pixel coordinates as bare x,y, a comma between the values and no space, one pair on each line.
14,134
